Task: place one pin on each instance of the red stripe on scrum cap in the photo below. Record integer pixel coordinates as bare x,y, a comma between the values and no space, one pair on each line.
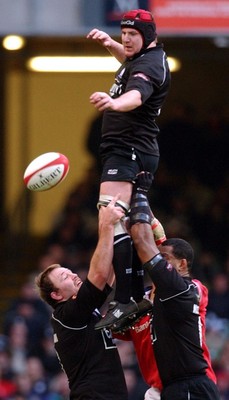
141,15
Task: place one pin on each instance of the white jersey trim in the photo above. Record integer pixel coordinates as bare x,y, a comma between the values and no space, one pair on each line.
178,294
68,327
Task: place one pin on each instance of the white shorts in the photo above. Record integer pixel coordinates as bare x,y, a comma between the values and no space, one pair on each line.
152,394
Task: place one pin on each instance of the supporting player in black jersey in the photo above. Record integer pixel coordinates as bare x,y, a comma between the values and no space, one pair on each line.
89,357
129,133
177,252
179,345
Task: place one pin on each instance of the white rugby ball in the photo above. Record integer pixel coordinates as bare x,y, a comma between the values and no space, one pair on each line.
46,171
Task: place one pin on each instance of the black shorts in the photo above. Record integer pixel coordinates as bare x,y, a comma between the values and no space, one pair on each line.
122,165
195,388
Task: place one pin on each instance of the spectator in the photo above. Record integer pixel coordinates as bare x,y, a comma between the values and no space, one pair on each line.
18,343
7,385
48,354
219,296
59,385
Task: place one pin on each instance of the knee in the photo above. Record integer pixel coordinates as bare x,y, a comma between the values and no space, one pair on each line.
105,199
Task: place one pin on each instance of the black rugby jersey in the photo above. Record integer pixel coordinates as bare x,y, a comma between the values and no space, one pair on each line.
89,357
137,128
176,325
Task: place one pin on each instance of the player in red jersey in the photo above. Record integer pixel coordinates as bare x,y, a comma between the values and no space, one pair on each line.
203,292
140,334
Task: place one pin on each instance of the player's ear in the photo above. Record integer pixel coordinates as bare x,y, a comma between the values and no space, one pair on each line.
56,296
183,265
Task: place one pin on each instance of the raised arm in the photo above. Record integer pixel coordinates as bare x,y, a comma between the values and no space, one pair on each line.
115,48
101,263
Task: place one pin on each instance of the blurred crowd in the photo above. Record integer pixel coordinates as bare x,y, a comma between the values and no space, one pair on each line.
190,196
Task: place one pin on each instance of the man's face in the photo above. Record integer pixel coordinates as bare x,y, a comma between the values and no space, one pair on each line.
132,41
167,253
66,282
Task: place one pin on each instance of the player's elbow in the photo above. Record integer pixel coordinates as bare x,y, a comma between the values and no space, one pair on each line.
98,278
136,99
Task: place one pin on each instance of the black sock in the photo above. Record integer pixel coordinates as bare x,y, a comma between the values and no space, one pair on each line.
122,263
138,289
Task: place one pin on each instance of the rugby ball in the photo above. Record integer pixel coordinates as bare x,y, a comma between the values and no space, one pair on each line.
46,171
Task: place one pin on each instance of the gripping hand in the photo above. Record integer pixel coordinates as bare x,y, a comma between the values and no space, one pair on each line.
143,182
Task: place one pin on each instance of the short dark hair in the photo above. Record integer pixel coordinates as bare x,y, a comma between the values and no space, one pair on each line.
45,286
181,249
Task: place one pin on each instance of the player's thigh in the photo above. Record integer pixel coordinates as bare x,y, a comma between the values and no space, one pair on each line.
119,168
113,188
117,176
147,162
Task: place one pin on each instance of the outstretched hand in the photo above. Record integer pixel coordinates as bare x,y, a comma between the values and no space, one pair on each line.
100,36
